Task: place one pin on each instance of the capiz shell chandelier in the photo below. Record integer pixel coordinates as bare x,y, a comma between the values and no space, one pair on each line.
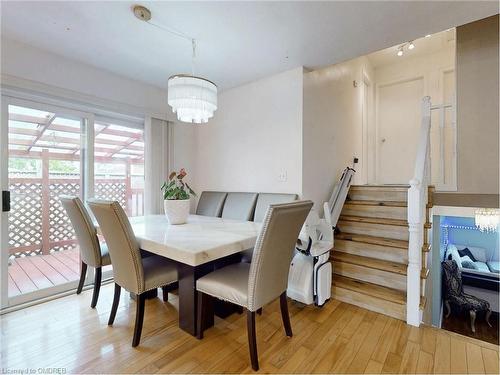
192,98
487,219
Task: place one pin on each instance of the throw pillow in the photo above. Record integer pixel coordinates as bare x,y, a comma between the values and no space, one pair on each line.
467,252
453,252
469,264
465,259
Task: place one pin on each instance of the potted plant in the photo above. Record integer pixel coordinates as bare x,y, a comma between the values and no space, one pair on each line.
176,194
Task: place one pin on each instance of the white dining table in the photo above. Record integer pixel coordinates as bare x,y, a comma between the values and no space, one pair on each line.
202,239
197,247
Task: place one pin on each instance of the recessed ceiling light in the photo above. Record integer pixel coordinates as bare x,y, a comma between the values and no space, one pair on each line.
400,51
411,45
428,36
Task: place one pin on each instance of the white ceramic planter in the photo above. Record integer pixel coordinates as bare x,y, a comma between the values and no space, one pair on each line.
177,211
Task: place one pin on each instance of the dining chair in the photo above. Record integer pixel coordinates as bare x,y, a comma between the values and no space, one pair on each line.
252,285
264,200
131,272
211,203
239,206
92,252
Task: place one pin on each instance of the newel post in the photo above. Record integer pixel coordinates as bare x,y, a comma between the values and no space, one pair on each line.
415,228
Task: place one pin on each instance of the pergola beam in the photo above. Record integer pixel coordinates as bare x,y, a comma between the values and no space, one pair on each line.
72,144
43,127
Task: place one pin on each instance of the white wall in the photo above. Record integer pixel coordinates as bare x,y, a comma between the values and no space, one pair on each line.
332,126
477,104
39,70
255,135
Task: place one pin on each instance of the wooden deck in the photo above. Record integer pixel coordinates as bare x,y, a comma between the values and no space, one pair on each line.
31,273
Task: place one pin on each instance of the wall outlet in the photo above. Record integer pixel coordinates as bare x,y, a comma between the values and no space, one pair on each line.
282,177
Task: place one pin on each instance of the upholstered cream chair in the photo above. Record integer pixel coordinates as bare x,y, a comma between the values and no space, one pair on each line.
211,203
131,272
239,206
92,253
264,200
252,285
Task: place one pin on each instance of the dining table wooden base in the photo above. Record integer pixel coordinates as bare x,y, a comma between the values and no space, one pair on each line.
188,298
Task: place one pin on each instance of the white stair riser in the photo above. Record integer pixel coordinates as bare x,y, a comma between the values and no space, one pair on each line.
371,229
371,275
372,251
374,194
386,212
365,301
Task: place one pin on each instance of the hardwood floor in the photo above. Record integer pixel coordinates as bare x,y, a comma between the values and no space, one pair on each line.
459,322
338,338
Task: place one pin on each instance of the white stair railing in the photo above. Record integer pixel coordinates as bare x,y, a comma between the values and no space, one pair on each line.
417,201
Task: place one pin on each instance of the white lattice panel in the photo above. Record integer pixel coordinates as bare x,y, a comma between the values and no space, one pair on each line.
113,191
25,217
60,225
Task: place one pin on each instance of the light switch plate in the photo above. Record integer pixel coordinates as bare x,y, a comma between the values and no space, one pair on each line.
282,177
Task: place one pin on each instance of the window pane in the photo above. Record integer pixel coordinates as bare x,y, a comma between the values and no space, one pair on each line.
42,165
119,165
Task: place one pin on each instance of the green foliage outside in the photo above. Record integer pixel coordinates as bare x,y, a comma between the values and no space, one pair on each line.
35,166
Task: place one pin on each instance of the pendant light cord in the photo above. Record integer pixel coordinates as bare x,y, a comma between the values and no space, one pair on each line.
180,34
193,57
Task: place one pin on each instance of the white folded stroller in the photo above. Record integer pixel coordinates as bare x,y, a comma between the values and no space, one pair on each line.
310,277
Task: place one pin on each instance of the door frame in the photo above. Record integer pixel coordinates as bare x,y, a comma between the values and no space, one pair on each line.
367,117
86,168
4,218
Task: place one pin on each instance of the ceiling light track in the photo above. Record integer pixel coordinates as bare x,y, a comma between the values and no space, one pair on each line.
408,45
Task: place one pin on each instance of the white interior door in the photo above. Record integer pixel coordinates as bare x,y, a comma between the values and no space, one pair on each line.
398,125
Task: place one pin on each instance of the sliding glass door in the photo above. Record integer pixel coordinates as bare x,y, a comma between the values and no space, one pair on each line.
46,150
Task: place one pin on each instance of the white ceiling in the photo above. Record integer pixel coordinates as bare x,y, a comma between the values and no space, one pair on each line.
238,42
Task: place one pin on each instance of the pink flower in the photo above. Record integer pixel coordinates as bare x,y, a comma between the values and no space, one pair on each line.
182,173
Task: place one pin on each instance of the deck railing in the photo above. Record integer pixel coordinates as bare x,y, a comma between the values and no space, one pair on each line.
38,223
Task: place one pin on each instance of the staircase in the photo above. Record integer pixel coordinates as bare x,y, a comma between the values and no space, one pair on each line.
370,256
